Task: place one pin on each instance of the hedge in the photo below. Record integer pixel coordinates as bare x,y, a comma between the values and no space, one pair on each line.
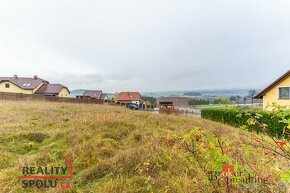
229,116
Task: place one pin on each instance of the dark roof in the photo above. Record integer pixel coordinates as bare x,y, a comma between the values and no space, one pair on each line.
93,93
166,102
263,92
24,82
177,101
50,89
128,96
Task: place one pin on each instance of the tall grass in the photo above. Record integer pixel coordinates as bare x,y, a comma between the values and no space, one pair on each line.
112,149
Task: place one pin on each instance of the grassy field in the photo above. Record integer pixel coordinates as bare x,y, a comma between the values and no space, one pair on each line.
117,150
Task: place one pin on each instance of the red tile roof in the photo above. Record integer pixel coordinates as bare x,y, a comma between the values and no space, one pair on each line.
24,82
50,89
128,96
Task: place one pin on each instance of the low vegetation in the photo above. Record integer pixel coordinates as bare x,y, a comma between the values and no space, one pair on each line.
117,150
271,123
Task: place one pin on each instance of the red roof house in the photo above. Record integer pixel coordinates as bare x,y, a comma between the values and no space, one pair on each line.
128,98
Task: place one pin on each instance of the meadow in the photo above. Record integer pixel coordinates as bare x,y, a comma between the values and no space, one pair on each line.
113,150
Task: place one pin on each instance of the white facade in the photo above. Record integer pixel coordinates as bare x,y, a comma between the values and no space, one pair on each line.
136,102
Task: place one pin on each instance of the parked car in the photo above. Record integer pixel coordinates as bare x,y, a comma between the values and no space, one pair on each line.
133,106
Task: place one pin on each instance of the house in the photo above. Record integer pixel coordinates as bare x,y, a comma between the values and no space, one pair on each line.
104,97
22,85
57,90
125,98
178,102
167,107
93,95
34,85
278,92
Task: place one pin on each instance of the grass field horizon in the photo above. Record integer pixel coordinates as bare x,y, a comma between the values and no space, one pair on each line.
113,149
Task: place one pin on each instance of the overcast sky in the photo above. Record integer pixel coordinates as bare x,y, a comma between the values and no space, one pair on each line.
147,45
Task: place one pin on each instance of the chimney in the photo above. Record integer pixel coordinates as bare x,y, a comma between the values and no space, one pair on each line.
15,76
35,77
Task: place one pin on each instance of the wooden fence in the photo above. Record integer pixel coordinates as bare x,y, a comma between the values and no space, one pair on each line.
32,97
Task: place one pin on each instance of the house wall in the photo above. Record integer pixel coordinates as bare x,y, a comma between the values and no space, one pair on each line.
128,101
136,102
273,96
63,93
13,88
121,101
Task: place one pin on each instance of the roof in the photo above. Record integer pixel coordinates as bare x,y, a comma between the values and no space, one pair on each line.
93,93
128,96
166,102
275,83
50,89
24,82
177,101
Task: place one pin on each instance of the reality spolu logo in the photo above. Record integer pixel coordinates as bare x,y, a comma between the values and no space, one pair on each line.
47,177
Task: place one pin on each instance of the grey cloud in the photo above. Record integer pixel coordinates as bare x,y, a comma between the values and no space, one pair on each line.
147,45
88,81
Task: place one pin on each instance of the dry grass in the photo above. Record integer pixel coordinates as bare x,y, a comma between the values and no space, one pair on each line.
113,149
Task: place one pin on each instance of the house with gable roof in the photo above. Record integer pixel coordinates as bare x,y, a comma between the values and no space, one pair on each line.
32,85
93,95
277,92
127,98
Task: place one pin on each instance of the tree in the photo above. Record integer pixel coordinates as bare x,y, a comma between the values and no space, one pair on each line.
152,100
236,99
252,94
245,100
198,102
232,98
222,100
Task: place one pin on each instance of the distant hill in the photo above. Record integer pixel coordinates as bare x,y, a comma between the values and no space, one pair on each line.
189,93
204,93
192,94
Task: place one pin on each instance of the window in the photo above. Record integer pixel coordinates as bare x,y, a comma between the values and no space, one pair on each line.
26,84
284,93
7,85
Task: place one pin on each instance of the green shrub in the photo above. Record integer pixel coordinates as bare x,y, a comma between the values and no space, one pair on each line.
239,118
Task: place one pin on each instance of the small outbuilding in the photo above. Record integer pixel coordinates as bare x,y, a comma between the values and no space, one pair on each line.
126,98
